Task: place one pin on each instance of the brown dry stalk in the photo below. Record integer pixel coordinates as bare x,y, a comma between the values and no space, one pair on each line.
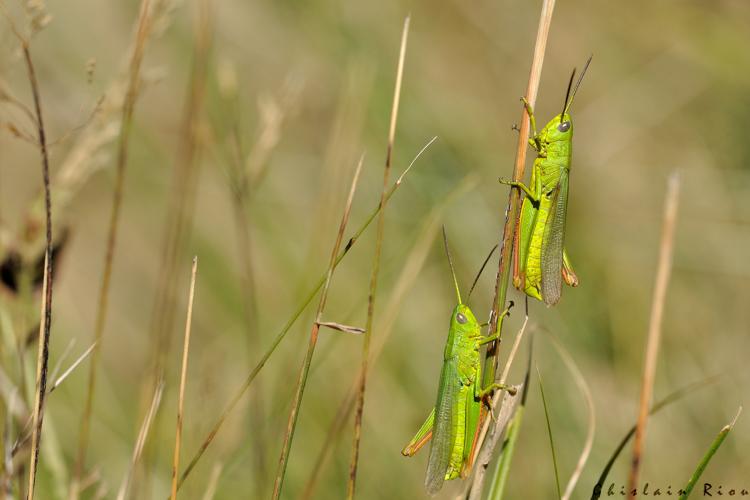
351,483
141,441
183,379
511,213
46,306
514,196
654,328
302,381
144,25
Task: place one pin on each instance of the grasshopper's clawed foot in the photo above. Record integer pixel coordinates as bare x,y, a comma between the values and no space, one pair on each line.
506,312
520,185
487,399
485,394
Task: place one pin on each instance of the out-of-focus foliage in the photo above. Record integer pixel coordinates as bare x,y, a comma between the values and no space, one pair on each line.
667,89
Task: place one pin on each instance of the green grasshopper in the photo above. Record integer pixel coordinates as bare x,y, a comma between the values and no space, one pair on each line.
540,262
454,423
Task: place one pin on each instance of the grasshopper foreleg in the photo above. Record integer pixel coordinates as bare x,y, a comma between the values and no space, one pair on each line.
523,187
534,141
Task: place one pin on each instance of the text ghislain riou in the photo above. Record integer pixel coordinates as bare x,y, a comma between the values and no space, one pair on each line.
709,490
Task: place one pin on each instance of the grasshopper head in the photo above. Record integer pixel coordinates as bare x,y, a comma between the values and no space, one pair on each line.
560,128
463,319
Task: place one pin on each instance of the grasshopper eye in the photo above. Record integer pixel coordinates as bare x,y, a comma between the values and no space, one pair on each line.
564,126
461,318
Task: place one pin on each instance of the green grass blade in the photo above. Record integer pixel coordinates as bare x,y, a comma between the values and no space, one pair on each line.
500,478
685,493
549,433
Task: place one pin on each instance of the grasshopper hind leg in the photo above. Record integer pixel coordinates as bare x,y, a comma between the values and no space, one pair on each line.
569,276
423,435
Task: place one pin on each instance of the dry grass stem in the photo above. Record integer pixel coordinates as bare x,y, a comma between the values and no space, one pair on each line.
351,484
183,379
144,25
514,196
46,306
59,380
141,441
663,270
342,328
511,213
60,360
40,393
302,381
213,482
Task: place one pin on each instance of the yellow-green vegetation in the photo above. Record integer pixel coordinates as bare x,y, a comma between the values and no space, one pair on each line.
231,131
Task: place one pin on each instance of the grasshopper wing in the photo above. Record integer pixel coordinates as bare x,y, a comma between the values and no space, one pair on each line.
444,430
552,242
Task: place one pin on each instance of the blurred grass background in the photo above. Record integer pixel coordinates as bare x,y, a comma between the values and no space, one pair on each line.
667,90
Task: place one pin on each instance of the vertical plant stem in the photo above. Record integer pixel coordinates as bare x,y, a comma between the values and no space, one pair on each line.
144,25
302,381
351,484
183,379
511,214
141,441
213,482
46,306
514,196
654,329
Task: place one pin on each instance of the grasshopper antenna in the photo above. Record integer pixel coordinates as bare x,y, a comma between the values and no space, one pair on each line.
480,272
578,84
450,263
567,95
